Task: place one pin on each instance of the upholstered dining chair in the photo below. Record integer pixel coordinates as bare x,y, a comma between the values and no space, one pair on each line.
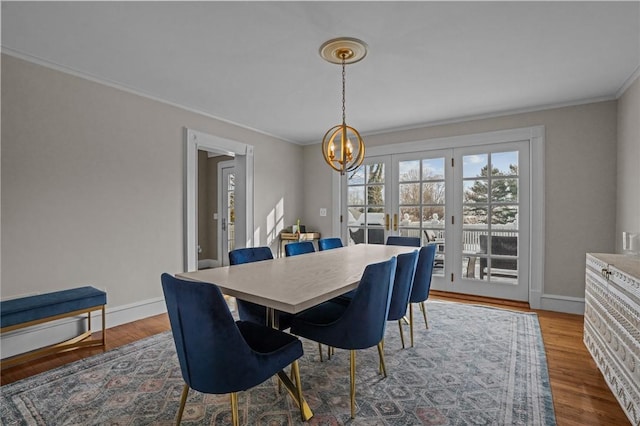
218,355
402,285
329,243
301,247
422,283
358,325
403,241
249,311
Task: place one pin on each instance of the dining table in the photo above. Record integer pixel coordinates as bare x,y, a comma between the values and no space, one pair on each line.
293,284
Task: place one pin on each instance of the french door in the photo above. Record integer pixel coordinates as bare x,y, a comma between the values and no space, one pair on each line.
472,202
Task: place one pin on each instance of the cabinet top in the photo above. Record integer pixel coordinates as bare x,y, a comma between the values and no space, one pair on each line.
624,262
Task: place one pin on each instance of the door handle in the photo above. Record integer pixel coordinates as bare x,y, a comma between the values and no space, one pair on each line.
395,221
386,222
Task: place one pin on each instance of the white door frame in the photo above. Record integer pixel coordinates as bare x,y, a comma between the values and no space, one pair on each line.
243,154
536,137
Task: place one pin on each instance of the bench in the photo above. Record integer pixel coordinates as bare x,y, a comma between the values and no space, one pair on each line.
32,310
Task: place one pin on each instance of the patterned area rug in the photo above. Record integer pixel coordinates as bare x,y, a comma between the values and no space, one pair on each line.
474,366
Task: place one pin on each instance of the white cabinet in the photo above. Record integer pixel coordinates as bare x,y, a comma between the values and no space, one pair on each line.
612,325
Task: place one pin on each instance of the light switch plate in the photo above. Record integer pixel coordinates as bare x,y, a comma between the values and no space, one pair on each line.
323,212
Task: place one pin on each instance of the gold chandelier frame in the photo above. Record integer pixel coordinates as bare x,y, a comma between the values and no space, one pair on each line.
348,156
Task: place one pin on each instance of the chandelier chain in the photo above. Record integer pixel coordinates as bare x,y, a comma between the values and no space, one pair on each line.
344,114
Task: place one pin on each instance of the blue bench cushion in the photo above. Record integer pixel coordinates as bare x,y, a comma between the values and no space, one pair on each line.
31,308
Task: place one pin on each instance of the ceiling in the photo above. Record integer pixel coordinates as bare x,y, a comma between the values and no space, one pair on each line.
257,64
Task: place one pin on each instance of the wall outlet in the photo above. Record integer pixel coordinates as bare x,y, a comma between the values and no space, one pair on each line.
323,212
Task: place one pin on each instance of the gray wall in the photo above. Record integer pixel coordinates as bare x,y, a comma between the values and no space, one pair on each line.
580,174
93,184
628,206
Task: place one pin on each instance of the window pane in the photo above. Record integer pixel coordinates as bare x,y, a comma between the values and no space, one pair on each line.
375,173
409,170
433,193
355,216
504,189
505,215
475,191
474,215
433,169
433,216
409,216
504,163
475,165
409,193
357,176
356,195
375,195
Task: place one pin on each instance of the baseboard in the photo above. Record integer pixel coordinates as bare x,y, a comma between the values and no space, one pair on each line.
566,304
28,339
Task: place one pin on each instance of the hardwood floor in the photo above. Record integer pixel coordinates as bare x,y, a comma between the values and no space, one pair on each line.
580,394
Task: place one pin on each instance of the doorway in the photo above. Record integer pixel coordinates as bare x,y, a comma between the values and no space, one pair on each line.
243,190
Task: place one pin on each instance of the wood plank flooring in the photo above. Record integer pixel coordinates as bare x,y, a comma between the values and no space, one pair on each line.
580,394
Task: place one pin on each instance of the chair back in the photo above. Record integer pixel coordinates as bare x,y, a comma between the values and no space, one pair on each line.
249,254
365,319
208,342
403,241
329,243
402,285
422,278
302,247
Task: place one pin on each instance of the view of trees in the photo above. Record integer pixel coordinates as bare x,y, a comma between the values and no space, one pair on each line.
503,190
430,196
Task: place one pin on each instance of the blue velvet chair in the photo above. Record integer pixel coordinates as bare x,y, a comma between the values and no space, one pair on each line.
402,285
249,311
403,241
358,325
301,247
329,243
218,355
422,283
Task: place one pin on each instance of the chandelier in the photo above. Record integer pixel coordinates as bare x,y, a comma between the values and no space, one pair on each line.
338,150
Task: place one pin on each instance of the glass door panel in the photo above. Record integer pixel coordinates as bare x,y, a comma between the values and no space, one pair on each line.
367,214
421,202
493,202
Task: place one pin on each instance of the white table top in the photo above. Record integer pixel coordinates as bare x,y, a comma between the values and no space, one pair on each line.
293,284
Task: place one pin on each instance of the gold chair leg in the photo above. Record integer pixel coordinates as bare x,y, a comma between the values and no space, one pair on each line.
380,360
401,333
381,354
353,383
183,401
234,409
424,314
295,372
411,322
320,350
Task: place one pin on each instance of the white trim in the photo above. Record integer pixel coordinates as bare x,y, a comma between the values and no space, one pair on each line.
570,305
30,338
628,82
196,140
